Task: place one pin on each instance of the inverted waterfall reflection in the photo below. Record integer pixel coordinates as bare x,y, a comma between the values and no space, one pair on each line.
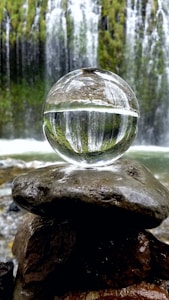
96,130
74,131
90,131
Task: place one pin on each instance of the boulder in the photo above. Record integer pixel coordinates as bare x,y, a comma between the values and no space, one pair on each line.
59,257
143,290
40,245
125,192
88,233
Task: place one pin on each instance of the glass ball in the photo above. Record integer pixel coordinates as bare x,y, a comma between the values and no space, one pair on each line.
90,117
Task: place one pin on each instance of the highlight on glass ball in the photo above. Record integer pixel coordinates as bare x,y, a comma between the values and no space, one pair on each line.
90,117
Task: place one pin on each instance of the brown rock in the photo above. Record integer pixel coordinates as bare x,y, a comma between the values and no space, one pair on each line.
30,292
160,259
81,256
61,256
89,233
141,291
40,245
107,261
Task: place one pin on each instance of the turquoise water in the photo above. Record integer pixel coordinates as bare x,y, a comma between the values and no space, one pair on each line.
156,159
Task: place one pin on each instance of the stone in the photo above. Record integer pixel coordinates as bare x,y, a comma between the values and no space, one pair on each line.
61,256
143,290
125,193
43,244
87,233
13,207
161,232
6,280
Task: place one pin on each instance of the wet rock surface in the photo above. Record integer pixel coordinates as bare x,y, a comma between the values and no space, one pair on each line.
44,244
55,258
143,290
86,237
6,280
126,189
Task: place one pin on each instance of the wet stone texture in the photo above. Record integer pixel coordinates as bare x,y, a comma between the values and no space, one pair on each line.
126,190
86,236
142,290
6,280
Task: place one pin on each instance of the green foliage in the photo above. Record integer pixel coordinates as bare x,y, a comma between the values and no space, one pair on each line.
22,100
5,108
22,19
111,35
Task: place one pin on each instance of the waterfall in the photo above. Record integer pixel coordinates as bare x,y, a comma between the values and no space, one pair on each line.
160,34
56,40
85,17
5,50
40,43
23,44
133,21
147,66
71,36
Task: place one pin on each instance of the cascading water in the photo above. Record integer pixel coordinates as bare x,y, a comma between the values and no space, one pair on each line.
56,40
7,50
23,44
71,36
147,67
85,18
133,22
40,43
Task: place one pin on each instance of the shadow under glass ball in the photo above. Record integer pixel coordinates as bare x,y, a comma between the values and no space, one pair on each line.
90,117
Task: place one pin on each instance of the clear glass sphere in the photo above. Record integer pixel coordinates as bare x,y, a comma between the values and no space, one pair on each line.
90,117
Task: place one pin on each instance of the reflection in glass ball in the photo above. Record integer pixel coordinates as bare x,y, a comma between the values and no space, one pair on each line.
90,117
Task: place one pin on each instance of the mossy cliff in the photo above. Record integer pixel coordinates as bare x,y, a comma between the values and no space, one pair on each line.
112,35
23,60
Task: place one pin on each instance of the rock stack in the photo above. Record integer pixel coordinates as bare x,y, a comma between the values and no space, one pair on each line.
86,235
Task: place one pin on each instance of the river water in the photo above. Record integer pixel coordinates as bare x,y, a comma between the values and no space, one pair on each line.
19,156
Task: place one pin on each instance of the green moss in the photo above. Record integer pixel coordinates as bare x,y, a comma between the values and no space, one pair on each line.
22,100
111,35
22,18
